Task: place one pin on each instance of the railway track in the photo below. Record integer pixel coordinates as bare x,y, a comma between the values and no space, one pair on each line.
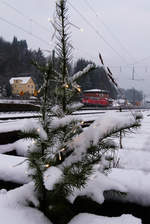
13,115
7,137
26,107
18,107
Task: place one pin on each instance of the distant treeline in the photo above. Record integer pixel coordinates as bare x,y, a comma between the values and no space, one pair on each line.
16,59
132,95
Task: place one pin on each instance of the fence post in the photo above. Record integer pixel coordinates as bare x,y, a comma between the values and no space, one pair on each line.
120,137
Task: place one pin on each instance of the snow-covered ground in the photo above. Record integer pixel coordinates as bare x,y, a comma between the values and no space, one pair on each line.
9,115
94,219
16,101
131,176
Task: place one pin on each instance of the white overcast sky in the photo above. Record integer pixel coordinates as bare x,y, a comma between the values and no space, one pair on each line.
118,29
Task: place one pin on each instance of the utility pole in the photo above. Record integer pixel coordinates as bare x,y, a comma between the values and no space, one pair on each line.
53,58
133,73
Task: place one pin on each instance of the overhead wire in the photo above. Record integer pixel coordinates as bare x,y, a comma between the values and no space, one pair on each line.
143,59
30,20
118,40
99,35
90,7
83,17
96,31
108,29
25,31
23,15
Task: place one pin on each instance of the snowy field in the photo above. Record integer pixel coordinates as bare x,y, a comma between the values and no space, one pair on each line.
132,175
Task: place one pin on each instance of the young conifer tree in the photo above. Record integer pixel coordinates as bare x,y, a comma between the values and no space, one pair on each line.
63,154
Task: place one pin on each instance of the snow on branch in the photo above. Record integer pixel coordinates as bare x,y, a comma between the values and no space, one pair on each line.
33,129
74,106
62,122
105,126
87,69
100,129
101,184
52,176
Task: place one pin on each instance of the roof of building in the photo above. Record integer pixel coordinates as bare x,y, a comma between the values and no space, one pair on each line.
24,80
95,90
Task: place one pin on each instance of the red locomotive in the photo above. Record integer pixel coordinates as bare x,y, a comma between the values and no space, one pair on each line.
96,97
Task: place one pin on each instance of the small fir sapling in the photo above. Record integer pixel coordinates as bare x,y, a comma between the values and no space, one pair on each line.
63,154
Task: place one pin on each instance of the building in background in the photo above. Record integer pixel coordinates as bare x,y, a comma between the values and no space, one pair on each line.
22,85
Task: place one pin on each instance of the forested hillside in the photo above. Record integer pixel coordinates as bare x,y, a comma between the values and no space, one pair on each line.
16,60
